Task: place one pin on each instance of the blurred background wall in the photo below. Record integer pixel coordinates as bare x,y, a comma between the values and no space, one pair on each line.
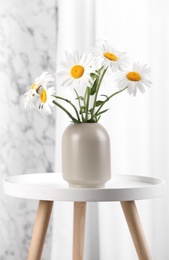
28,36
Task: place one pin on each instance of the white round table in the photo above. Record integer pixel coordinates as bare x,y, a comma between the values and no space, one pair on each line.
50,187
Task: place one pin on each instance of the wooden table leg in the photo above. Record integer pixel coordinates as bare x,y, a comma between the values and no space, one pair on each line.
79,230
136,230
40,229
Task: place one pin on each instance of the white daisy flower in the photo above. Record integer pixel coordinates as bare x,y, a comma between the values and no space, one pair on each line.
45,100
44,80
134,79
110,57
75,71
29,96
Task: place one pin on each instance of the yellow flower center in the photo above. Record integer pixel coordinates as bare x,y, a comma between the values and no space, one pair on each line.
33,86
77,71
133,76
43,96
110,56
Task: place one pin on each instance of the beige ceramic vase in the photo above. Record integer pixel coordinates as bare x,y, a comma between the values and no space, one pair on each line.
86,155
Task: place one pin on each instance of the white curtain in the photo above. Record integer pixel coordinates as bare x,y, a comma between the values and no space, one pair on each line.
138,126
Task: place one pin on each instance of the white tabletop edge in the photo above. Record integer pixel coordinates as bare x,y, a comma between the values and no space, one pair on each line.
150,188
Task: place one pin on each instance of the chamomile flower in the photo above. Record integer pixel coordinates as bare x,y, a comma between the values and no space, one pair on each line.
44,80
75,70
135,79
45,100
88,71
28,101
110,57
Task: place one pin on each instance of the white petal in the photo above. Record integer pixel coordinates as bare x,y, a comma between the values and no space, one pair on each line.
70,58
140,87
122,84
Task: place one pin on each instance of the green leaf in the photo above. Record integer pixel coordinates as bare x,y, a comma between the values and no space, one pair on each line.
91,110
82,109
98,118
92,120
93,75
94,87
99,102
100,70
103,111
80,98
104,95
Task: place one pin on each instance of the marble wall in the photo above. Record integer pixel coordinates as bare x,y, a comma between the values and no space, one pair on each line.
28,36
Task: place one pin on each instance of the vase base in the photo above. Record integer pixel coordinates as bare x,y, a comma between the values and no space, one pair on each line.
85,185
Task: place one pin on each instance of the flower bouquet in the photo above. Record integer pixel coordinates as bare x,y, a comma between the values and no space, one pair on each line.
87,72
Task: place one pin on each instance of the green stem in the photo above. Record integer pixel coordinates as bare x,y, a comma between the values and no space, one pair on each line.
68,101
108,98
86,102
78,98
67,112
97,91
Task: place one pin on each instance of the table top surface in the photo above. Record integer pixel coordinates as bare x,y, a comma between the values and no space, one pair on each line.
51,187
